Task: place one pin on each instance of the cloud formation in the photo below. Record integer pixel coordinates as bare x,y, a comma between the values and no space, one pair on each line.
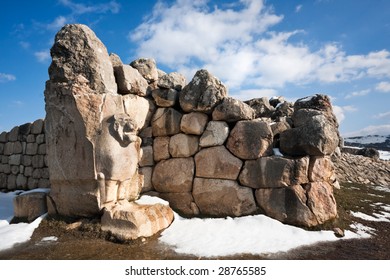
102,8
340,111
385,115
42,56
371,130
238,45
383,87
4,77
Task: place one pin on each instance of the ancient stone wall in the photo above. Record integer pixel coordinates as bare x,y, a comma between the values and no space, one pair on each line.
23,163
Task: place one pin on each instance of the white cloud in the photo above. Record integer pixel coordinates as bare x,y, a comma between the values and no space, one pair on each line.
383,86
298,8
248,94
108,7
4,77
58,22
371,130
340,111
358,93
385,115
42,56
239,47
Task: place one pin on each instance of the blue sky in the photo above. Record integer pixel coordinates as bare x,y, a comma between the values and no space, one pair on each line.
256,47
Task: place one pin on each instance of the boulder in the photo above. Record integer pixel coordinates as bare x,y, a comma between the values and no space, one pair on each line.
161,148
130,81
172,80
193,123
217,162
147,68
165,97
317,137
174,175
274,172
166,122
202,94
183,145
139,109
321,201
215,134
321,169
261,107
147,158
250,139
233,110
130,220
30,206
183,203
287,205
221,198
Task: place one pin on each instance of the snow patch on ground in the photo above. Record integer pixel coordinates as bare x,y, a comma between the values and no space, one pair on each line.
384,217
362,230
384,155
150,200
244,235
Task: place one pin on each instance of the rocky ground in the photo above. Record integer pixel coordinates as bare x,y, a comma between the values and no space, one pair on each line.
79,240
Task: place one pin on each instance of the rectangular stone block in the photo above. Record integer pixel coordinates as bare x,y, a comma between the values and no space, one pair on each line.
147,156
1,148
42,149
15,159
3,137
18,148
21,181
3,181
32,149
37,127
13,134
28,171
45,173
27,160
32,183
36,174
15,169
11,182
40,139
30,138
38,161
8,148
4,159
7,169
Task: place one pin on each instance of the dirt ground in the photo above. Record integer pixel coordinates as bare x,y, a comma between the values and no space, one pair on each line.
81,240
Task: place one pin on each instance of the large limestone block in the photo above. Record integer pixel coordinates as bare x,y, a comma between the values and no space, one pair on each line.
318,137
321,169
221,198
30,206
161,148
174,175
233,110
250,139
130,220
202,94
147,68
166,122
165,97
146,172
215,134
261,106
77,51
139,109
130,81
217,162
288,205
183,203
172,80
183,145
147,158
321,201
274,172
193,123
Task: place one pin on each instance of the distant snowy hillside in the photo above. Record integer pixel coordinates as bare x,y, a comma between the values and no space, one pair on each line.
378,142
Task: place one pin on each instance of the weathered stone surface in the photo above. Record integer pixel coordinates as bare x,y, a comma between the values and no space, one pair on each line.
161,148
174,175
115,60
147,156
183,203
250,139
183,145
261,106
317,137
274,172
287,205
15,159
146,172
30,138
233,110
139,109
202,94
172,80
279,127
40,139
11,182
8,148
147,68
130,81
77,51
38,161
21,181
129,220
13,134
217,162
220,198
32,149
193,123
30,206
215,134
165,97
166,122
37,127
321,169
3,137
321,201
